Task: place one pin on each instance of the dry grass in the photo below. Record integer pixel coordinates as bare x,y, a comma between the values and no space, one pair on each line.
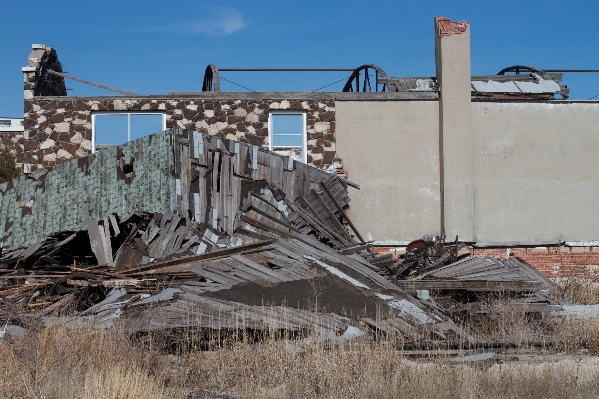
85,363
561,334
579,290
365,370
64,363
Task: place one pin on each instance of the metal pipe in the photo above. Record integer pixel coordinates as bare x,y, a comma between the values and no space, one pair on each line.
87,82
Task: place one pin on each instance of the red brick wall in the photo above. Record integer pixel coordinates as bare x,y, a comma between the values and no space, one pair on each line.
552,261
558,261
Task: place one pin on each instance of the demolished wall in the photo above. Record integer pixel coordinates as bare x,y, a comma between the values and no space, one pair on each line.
197,175
10,141
48,201
523,167
36,82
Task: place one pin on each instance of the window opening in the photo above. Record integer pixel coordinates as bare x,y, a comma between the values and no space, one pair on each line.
5,123
287,131
110,129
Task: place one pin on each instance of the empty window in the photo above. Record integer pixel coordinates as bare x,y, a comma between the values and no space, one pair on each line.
287,131
4,122
109,129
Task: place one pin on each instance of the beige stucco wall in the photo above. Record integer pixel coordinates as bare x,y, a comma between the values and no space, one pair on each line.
391,148
536,171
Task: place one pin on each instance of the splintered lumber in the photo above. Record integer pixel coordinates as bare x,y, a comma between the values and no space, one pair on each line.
56,306
95,237
356,248
191,259
472,285
109,283
331,216
252,240
328,193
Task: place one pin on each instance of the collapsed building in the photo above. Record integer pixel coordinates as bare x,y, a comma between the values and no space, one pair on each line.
506,162
203,232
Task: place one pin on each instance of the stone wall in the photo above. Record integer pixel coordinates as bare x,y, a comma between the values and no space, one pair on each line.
57,130
10,141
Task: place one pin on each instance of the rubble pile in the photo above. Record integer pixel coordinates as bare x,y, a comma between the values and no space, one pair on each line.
164,271
266,244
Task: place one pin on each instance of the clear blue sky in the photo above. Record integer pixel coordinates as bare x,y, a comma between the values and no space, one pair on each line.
153,47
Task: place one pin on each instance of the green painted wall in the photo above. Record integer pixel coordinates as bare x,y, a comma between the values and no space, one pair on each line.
31,209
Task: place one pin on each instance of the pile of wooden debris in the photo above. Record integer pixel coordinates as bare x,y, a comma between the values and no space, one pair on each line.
270,261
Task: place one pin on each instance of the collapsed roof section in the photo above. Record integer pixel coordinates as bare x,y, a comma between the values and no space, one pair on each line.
253,242
525,83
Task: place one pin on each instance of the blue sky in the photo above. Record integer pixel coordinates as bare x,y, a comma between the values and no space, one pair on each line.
155,47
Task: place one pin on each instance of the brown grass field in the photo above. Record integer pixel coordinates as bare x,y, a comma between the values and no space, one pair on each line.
62,362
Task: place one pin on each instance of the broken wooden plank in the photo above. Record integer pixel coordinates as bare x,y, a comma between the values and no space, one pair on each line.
95,237
481,285
331,216
324,188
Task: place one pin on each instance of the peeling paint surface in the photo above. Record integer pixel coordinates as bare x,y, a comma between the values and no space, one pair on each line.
53,202
425,85
337,272
408,309
540,86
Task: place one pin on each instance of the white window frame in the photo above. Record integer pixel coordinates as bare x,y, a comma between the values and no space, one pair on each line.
94,114
304,130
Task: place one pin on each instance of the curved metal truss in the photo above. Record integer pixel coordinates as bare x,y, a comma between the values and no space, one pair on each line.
518,69
353,82
211,79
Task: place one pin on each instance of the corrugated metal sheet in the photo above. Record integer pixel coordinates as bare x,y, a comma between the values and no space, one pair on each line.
522,84
536,85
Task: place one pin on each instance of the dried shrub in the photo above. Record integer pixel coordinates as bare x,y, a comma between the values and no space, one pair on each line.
559,333
62,362
8,169
579,290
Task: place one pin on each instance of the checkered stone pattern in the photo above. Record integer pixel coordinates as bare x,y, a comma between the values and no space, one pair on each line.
57,130
9,141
